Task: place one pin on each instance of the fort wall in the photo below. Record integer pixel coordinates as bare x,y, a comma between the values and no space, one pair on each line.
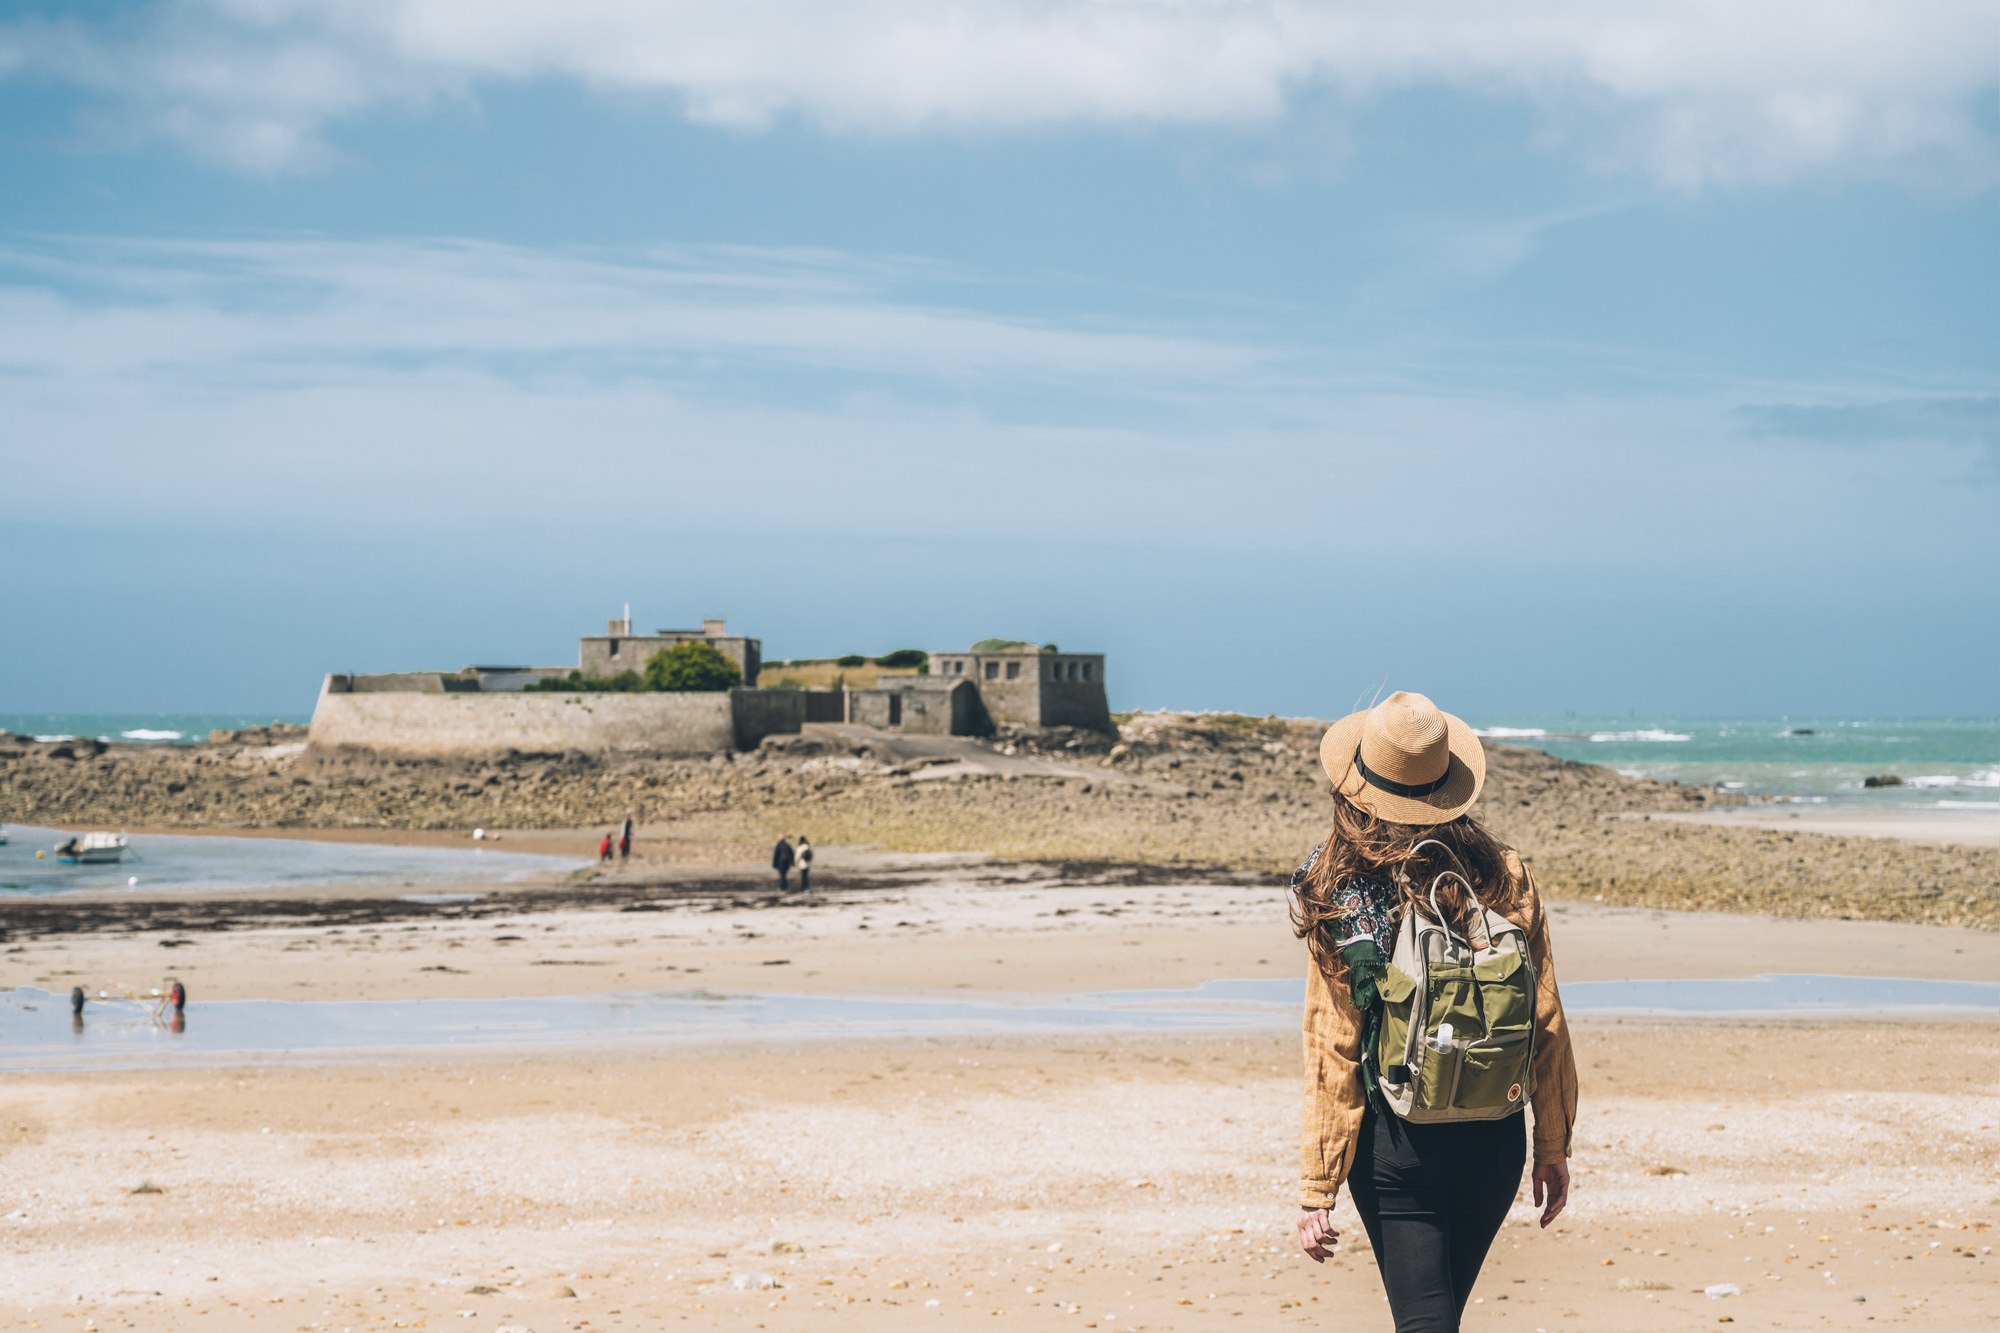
465,725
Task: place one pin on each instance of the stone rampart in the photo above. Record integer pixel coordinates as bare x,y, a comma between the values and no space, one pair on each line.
425,725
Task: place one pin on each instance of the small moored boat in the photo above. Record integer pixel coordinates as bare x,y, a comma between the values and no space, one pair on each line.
92,849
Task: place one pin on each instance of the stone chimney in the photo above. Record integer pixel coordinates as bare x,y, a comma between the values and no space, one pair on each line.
711,627
620,629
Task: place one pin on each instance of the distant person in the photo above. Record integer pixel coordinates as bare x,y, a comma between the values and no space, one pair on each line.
625,840
805,859
604,848
1415,1085
781,861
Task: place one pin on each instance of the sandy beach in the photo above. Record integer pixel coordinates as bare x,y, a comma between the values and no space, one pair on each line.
1105,1180
1087,1181
1090,1183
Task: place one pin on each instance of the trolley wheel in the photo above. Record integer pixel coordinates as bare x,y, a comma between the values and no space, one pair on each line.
179,994
76,999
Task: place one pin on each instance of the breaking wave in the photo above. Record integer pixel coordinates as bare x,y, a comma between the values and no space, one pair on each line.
1508,733
144,735
1650,734
1990,778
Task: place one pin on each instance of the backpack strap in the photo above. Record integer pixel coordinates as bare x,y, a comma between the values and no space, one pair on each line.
1478,908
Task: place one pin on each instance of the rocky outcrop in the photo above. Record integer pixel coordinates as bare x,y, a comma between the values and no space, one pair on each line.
1173,790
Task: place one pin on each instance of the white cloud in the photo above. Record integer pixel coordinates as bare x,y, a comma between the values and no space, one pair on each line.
280,310
1691,91
461,386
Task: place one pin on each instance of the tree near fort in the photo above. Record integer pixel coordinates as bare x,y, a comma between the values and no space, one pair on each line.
691,666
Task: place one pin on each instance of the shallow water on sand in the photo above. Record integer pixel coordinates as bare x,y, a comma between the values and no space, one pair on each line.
37,1031
178,861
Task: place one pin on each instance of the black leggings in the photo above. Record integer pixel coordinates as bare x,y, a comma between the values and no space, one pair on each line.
1432,1197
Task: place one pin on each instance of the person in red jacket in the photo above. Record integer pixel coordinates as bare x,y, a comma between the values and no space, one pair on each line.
604,848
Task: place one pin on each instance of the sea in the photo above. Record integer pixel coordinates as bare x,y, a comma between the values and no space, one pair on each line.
154,728
1942,763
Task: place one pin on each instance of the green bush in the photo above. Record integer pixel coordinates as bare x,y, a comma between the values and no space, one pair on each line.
903,659
691,667
998,645
1050,648
625,682
852,659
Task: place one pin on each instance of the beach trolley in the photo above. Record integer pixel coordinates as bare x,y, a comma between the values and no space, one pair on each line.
164,1004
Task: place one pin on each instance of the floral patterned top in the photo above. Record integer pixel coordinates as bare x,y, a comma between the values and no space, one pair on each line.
1368,907
1363,935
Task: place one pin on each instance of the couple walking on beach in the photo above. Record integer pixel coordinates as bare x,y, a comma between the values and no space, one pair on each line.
1432,1017
624,844
784,856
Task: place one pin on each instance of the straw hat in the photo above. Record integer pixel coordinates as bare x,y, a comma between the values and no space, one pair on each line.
1405,761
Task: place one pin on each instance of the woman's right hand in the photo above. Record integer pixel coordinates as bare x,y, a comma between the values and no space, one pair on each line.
1316,1234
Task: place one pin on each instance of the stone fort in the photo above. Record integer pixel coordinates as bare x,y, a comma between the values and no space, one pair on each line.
489,710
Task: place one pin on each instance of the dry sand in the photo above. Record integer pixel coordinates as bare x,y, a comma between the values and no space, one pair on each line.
1082,1184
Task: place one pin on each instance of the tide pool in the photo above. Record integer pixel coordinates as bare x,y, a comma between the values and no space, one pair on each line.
179,861
37,1031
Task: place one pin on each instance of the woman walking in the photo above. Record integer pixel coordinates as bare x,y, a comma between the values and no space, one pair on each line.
1432,1016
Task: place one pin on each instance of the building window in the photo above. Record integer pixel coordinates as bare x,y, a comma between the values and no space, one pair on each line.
992,671
1086,671
1072,671
614,648
1013,671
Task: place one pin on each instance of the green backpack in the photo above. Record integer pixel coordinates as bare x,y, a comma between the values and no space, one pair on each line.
1457,1034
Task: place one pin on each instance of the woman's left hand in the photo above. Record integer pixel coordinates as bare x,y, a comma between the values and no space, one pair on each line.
1552,1184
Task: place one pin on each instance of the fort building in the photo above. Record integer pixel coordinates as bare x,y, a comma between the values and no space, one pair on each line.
489,709
1035,687
619,649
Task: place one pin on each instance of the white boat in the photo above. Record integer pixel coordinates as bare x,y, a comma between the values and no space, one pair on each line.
92,849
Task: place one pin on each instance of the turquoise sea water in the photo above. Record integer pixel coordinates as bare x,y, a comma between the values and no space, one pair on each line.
164,728
1944,763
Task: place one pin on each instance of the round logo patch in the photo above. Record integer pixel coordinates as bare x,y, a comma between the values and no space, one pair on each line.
1514,1093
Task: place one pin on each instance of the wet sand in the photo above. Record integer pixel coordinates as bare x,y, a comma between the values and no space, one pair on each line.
877,923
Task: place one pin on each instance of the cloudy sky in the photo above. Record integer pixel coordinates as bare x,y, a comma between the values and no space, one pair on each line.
1540,356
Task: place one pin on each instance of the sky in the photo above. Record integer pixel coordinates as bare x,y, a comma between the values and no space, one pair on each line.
1546,357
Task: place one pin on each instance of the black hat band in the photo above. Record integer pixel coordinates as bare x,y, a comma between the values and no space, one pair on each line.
1374,779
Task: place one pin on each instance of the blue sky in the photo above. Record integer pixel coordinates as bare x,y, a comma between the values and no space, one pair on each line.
1535,357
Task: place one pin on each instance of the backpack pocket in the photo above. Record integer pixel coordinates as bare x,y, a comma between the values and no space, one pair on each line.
1493,1075
1397,994
1506,995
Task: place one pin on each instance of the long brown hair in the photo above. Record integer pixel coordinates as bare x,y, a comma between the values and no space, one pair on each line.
1361,846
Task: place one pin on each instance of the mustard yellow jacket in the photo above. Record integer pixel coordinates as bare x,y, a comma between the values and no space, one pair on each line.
1334,1098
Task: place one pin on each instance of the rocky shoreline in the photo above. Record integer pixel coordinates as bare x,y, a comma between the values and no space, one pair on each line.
1232,793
